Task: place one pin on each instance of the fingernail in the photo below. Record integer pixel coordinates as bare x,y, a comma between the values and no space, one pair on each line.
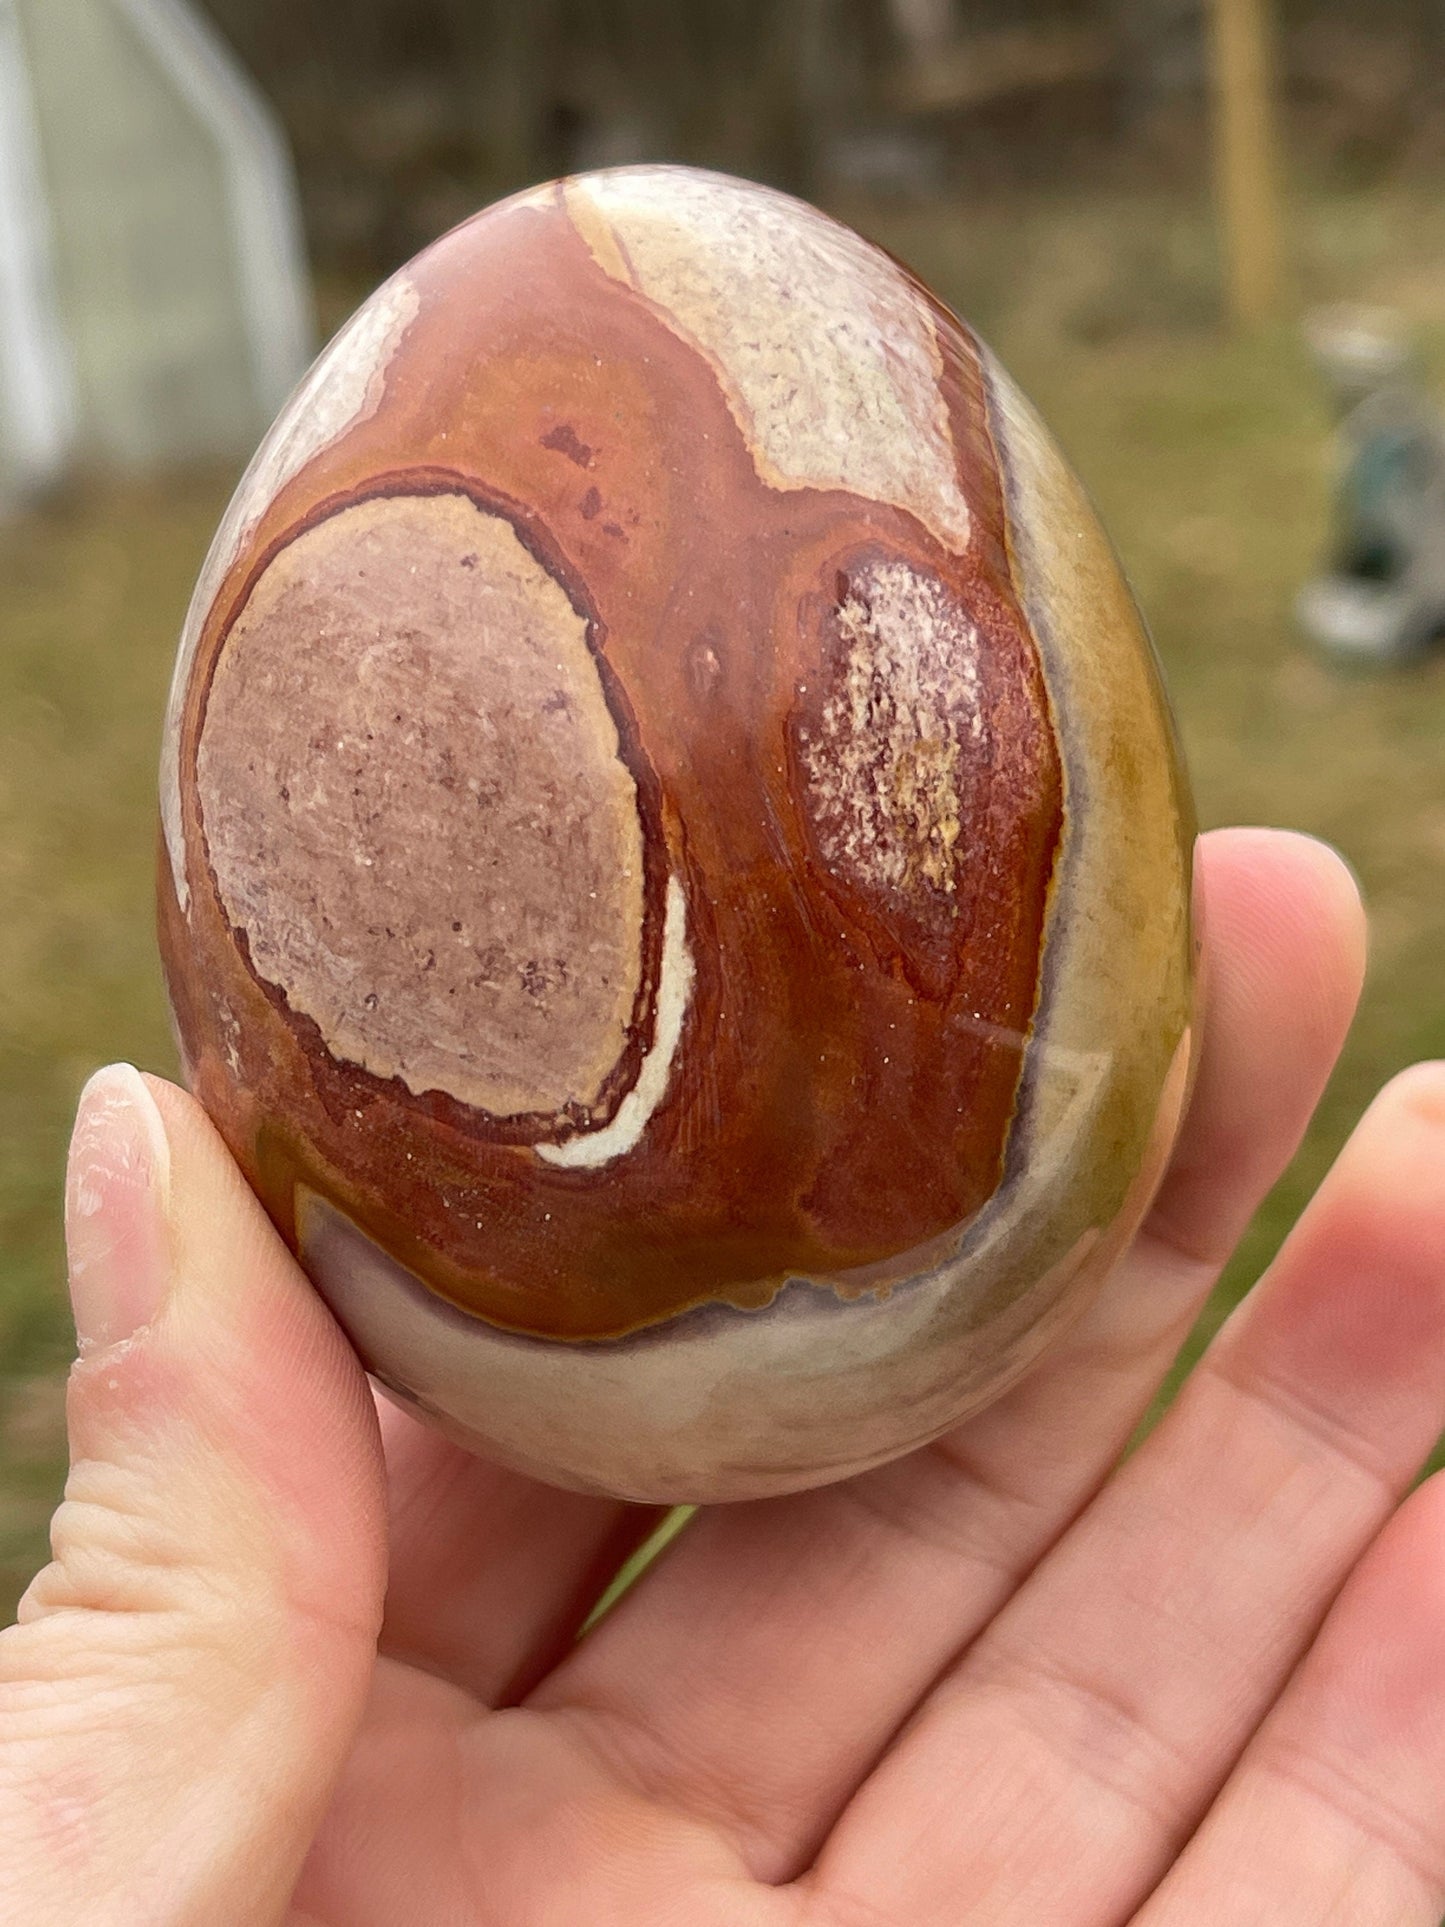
116,1193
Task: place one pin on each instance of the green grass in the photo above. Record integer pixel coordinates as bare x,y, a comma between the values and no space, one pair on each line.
1208,458
91,597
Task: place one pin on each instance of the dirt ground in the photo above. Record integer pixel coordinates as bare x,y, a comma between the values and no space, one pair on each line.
1209,458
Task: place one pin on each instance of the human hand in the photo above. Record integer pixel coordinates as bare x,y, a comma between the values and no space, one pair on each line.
1000,1681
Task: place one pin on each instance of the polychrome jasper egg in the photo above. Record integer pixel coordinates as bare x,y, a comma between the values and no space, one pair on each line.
676,871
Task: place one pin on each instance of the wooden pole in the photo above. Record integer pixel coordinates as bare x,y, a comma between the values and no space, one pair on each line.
1244,153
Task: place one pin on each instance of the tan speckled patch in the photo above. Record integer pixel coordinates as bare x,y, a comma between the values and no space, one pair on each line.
886,761
824,348
417,812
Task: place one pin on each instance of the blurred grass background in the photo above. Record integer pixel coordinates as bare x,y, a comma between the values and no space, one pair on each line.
1209,459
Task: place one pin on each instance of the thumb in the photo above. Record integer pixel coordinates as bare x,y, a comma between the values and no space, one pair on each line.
187,1674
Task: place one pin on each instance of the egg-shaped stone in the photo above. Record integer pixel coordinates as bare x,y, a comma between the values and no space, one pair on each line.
675,883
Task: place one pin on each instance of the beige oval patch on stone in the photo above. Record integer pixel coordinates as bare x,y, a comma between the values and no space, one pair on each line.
418,814
824,348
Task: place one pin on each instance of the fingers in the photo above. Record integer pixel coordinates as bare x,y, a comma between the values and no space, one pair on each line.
761,1670
186,1676
491,1573
1337,1810
1075,1747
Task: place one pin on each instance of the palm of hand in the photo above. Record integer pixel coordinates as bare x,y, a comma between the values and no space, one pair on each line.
971,1685
1006,1680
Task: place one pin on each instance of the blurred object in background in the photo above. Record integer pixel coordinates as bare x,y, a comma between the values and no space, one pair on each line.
153,295
421,111
1382,599
1245,171
417,112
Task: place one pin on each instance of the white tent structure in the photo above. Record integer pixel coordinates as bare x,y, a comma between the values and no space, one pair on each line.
153,293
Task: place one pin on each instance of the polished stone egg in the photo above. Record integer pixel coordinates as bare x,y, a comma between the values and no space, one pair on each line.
675,883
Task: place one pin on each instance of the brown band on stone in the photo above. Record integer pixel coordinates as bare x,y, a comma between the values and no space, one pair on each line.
846,1074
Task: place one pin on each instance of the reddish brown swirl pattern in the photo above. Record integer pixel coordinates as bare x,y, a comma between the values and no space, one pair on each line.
675,883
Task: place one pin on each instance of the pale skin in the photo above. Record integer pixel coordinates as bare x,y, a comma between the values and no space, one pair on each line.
1007,1680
